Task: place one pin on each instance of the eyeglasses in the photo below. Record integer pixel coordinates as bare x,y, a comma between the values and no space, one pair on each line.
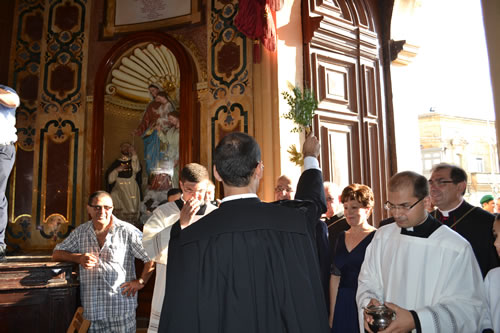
281,189
439,182
390,206
194,190
98,208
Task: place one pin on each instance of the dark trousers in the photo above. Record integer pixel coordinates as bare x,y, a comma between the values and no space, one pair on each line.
7,158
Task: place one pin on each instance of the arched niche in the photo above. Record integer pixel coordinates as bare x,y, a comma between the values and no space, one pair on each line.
189,147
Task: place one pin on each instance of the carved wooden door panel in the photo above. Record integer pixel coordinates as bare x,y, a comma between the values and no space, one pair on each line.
342,65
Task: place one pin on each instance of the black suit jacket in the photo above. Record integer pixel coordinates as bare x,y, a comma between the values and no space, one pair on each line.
476,227
248,266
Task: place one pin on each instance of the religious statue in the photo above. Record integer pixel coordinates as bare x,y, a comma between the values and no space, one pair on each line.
159,131
124,181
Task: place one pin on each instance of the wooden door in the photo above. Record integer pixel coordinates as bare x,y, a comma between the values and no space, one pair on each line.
343,66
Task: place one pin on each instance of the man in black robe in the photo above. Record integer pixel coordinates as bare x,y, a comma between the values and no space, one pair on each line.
248,266
448,184
334,216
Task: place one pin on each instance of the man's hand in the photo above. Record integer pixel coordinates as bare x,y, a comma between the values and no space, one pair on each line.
311,146
403,323
188,211
130,288
88,260
368,318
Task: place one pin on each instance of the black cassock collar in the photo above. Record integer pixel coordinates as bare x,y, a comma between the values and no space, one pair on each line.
423,230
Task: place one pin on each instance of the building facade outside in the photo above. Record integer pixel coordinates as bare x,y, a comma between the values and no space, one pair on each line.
467,142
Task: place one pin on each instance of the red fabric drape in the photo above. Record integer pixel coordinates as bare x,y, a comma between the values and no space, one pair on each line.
256,19
275,4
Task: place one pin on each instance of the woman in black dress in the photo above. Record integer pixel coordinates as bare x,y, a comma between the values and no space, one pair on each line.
349,252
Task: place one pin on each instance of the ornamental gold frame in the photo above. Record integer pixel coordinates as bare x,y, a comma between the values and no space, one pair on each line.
110,28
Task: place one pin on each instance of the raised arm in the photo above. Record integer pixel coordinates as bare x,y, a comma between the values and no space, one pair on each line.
310,185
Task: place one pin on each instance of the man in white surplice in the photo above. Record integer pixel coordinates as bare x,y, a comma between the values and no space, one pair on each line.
423,270
156,234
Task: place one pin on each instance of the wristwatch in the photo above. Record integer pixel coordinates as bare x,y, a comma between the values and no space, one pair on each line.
141,281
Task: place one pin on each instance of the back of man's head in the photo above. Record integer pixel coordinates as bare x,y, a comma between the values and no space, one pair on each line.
410,179
236,157
193,173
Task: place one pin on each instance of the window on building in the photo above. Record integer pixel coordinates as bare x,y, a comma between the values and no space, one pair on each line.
476,164
430,157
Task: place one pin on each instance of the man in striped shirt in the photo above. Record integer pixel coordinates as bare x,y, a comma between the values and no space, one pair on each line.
105,249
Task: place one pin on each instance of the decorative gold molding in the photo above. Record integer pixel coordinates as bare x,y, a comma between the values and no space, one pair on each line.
200,61
110,28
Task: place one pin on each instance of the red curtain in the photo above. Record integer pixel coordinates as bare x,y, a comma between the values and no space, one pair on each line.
256,19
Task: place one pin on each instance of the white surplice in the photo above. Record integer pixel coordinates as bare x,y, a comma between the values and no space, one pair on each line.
155,238
492,283
437,277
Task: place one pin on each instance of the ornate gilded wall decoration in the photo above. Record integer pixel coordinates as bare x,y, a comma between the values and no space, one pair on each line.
63,57
26,72
48,72
25,78
194,50
228,118
59,140
230,74
228,46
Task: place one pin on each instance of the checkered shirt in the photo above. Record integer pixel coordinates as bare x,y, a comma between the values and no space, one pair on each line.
100,286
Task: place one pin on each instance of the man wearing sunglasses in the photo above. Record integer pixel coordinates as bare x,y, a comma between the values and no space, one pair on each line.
105,249
425,272
447,188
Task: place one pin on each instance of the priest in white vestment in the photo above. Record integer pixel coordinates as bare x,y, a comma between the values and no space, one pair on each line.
156,234
492,281
421,269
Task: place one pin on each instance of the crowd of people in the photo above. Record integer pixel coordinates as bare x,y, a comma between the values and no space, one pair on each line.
312,261
309,262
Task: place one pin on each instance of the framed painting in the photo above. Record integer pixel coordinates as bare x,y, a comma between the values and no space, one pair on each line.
124,16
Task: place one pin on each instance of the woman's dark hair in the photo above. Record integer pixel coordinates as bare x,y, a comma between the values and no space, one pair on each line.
358,192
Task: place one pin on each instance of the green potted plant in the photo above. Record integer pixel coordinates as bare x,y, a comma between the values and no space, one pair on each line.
303,105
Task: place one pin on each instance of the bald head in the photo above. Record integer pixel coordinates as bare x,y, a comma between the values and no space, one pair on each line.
332,195
283,189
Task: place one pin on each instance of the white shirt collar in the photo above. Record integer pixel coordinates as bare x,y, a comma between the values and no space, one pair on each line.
447,212
239,196
309,163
